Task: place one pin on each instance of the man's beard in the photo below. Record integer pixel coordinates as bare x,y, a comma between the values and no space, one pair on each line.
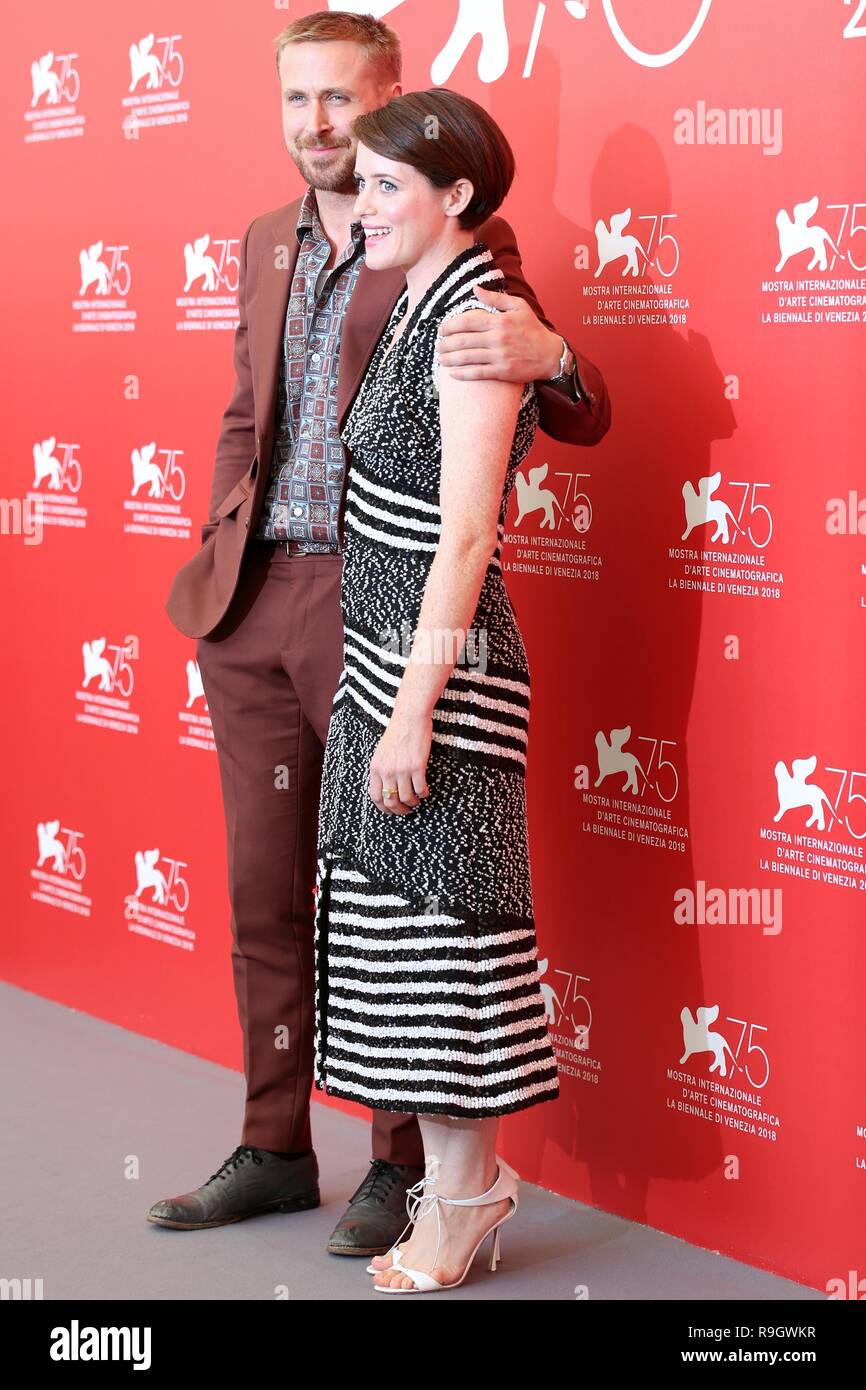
335,176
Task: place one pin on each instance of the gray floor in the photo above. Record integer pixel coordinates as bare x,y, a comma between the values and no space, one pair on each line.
98,1123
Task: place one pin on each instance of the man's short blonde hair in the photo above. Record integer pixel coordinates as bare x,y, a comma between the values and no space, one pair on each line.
381,45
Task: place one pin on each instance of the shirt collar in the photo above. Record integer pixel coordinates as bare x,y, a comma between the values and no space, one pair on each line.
308,220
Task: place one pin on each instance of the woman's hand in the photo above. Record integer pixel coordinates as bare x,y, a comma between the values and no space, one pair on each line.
400,762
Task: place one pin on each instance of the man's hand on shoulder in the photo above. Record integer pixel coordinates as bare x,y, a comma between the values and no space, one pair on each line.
513,345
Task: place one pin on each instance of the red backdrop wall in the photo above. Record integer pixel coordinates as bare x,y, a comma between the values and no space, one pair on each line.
691,208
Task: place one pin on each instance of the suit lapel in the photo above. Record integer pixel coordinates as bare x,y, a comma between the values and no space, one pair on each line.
266,325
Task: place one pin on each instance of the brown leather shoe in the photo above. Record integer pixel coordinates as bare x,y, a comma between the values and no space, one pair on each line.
376,1213
250,1182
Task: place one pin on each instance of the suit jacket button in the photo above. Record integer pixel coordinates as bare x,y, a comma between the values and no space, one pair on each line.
592,395
246,521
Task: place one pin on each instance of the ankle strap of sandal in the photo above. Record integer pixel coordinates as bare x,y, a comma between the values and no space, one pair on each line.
420,1201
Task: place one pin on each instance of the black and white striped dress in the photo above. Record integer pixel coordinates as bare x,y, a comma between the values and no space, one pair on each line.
427,989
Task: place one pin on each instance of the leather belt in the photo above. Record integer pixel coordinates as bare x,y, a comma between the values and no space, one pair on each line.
296,548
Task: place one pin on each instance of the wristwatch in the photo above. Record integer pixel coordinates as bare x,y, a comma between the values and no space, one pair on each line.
567,372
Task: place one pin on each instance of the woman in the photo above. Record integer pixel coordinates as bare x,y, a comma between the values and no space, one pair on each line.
427,993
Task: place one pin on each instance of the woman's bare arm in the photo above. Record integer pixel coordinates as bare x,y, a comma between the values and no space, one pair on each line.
477,421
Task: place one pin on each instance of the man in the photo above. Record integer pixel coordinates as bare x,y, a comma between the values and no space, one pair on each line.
262,596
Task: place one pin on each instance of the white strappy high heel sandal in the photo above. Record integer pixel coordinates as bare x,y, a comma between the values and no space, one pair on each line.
419,1202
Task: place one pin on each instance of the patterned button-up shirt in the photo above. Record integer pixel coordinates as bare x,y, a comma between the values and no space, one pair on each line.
302,501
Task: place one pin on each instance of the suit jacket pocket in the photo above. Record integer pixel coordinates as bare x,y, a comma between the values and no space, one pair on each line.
235,497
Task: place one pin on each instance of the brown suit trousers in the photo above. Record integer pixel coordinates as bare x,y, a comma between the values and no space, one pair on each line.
269,672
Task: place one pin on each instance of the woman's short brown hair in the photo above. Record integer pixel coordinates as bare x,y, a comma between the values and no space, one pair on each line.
447,137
